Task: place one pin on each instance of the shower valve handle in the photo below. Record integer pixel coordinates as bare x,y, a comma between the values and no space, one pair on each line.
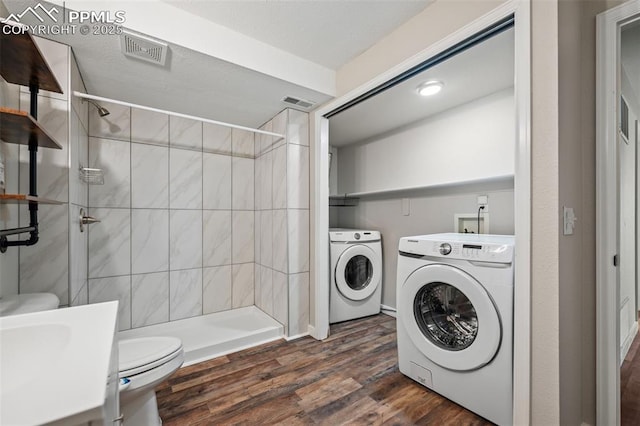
86,220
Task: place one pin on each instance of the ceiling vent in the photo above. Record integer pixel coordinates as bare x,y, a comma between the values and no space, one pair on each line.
142,47
297,102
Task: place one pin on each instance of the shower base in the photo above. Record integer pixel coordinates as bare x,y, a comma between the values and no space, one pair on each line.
213,335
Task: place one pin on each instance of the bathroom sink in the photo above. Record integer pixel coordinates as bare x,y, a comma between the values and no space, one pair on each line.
27,351
54,364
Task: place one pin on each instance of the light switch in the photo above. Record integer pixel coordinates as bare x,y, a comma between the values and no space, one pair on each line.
568,220
406,207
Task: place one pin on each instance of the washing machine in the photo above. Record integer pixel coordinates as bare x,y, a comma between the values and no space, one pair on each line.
356,274
455,319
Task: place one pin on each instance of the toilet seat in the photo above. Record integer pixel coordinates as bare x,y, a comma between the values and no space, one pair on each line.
137,356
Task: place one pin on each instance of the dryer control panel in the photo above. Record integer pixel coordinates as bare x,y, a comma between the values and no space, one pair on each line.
481,248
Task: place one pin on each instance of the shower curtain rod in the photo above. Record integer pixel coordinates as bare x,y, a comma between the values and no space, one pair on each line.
175,114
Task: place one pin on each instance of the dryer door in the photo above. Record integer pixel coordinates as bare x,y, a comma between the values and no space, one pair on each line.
358,272
450,317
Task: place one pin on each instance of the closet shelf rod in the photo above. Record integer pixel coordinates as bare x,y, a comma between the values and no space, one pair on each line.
175,114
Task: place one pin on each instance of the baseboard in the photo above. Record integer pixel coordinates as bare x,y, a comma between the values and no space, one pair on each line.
624,348
297,336
388,310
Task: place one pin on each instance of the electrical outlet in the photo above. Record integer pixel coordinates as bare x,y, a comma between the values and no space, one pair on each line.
483,200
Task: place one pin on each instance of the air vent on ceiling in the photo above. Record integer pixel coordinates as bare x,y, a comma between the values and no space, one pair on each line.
142,47
301,103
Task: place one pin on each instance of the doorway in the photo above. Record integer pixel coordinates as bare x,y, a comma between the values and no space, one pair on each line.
522,189
618,222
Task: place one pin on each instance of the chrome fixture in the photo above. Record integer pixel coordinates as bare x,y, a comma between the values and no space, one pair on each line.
102,111
91,176
86,220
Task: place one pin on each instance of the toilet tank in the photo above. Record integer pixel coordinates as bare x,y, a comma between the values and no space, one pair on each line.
26,303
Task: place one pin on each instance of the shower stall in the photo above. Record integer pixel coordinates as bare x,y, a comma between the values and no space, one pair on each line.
198,228
204,226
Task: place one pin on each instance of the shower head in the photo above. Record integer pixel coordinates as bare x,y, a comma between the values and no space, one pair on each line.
102,111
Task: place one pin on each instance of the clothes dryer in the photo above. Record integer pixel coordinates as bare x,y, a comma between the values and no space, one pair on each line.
356,274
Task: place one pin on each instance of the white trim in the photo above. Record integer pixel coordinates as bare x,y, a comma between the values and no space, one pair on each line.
607,288
624,350
297,336
311,330
175,114
321,225
522,219
388,310
522,323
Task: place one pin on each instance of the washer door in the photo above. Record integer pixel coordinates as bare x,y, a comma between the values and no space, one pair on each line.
357,272
450,317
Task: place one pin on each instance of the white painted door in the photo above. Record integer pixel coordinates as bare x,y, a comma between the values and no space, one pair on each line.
627,183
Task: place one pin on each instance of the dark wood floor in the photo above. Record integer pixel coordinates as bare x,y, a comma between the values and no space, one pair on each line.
350,378
630,386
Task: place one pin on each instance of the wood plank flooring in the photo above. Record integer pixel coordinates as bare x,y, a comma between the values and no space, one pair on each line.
350,378
630,386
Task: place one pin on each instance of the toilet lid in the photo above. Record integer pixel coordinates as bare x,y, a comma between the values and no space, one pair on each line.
139,355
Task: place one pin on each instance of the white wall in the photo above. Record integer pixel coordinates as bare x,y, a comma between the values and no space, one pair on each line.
430,212
470,142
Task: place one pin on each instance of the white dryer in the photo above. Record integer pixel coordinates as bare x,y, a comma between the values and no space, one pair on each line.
356,274
455,319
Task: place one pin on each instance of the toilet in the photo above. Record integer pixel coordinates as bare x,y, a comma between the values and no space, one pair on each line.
26,303
143,364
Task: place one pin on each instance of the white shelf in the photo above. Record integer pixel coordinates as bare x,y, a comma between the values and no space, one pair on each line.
504,179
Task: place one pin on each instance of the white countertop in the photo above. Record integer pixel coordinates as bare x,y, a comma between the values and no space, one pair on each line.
54,365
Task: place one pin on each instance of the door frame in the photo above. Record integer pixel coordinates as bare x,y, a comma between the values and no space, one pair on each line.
607,287
319,329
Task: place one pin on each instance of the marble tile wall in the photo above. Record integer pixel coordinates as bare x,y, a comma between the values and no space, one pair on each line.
177,209
282,221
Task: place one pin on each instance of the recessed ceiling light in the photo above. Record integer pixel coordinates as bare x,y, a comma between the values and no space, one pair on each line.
430,88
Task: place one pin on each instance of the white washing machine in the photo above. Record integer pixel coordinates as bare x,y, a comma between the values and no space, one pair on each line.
455,319
356,274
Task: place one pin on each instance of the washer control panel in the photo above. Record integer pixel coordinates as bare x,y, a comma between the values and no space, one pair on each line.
445,249
481,248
